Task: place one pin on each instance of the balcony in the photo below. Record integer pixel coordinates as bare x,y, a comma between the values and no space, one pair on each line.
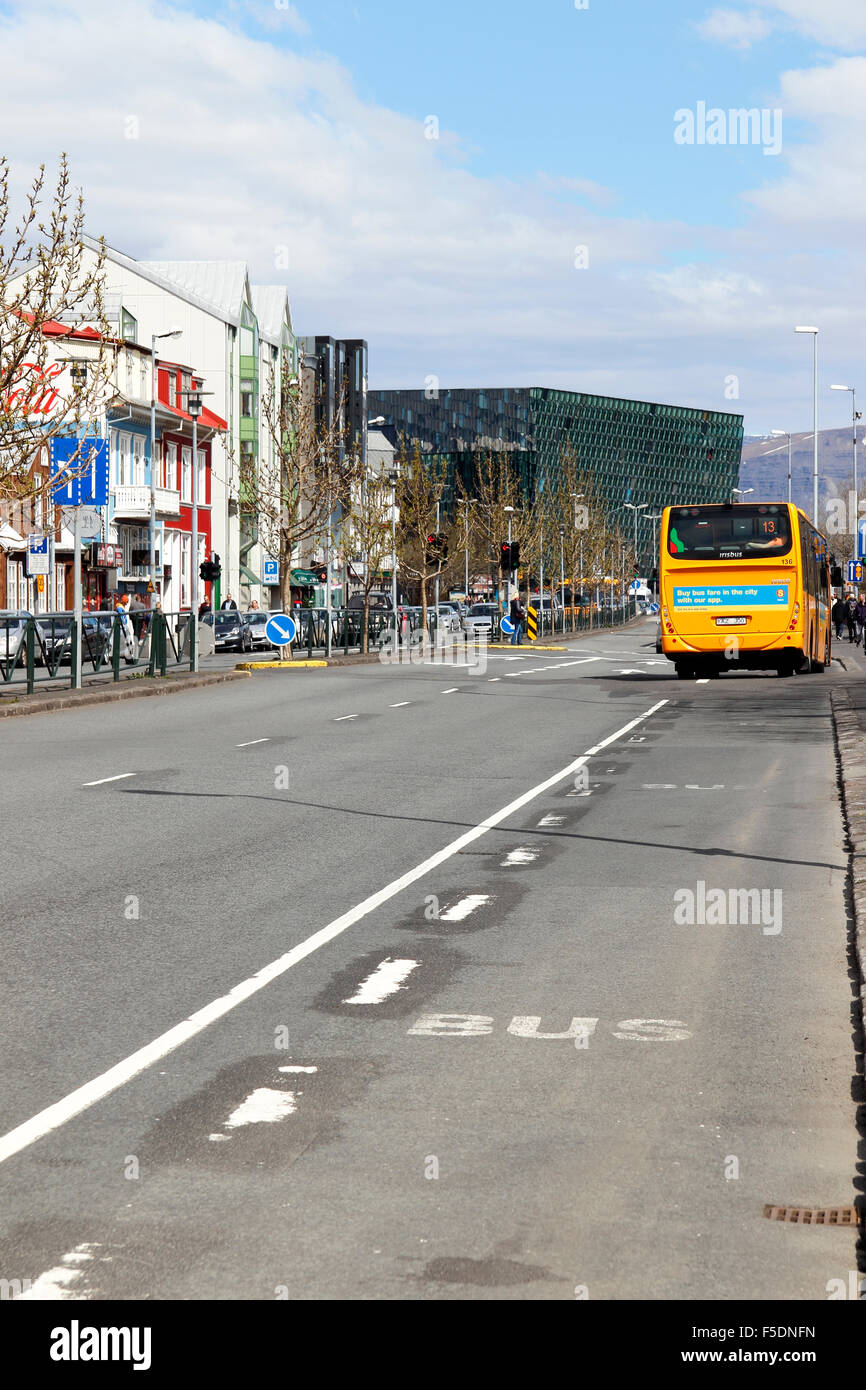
133,501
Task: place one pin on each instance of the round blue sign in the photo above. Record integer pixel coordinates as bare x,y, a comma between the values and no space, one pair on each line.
281,630
506,626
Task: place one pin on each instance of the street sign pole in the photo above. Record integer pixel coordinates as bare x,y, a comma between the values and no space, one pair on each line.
76,598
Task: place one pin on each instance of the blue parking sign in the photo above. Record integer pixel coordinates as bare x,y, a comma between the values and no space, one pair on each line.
87,460
271,572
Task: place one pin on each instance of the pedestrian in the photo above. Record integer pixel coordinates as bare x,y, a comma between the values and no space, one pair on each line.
516,614
861,618
127,633
254,604
136,612
839,616
228,602
851,616
204,607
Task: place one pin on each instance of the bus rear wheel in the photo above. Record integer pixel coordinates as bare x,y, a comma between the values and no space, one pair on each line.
684,672
787,667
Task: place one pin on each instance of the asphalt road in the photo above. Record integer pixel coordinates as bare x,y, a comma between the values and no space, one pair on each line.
429,1057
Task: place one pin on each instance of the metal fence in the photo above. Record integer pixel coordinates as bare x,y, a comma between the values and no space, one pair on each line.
43,648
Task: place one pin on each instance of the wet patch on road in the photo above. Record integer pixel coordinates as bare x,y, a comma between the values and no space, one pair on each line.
234,1122
490,1273
383,989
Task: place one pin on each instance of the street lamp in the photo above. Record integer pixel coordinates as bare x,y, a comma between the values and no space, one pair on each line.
636,507
781,434
393,479
466,502
655,516
856,417
741,492
154,338
814,332
562,573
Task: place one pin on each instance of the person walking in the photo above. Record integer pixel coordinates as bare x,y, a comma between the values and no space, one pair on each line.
851,616
127,634
204,607
516,614
860,619
228,602
839,611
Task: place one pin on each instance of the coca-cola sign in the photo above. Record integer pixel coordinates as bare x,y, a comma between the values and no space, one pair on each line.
37,393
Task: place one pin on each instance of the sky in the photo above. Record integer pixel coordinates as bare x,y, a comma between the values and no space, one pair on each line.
490,192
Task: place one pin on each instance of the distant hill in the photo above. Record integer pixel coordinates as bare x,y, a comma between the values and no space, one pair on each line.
764,466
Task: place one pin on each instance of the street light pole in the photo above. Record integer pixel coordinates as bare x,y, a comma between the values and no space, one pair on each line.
154,382
856,508
814,332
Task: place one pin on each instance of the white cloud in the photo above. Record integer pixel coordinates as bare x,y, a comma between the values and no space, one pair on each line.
246,147
837,23
734,28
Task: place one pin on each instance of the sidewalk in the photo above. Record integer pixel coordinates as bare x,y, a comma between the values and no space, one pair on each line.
102,690
848,704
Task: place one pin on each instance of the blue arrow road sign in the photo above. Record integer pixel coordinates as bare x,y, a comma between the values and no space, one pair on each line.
861,540
88,487
506,626
855,571
281,630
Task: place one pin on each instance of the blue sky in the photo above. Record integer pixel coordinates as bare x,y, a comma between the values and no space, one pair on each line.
554,234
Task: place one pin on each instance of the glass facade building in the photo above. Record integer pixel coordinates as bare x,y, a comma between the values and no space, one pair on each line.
637,451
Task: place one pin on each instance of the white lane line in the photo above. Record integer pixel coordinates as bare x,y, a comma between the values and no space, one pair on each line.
117,778
345,716
452,690
62,1111
551,820
251,742
523,854
54,1284
295,1069
385,980
491,680
704,681
400,704
659,786
461,910
716,787
263,1106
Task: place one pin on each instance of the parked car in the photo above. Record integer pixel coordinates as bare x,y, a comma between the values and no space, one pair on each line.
256,621
13,627
230,631
55,638
449,617
378,599
482,620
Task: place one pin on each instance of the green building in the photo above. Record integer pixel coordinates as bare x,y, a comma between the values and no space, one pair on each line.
638,451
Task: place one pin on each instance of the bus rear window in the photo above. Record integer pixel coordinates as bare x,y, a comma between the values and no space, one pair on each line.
728,533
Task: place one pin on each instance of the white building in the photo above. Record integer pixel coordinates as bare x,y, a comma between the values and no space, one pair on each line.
236,335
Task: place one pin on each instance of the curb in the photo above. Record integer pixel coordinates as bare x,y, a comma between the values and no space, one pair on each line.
277,665
133,690
532,646
852,776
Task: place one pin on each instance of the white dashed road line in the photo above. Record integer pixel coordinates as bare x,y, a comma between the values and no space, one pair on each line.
95,1090
400,704
385,980
523,854
251,742
452,690
118,778
551,820
344,717
461,910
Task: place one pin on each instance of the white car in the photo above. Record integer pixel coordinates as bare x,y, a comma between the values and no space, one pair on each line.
482,620
449,617
13,628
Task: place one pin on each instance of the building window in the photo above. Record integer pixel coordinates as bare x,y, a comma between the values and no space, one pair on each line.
138,460
170,466
186,474
124,461
200,478
185,569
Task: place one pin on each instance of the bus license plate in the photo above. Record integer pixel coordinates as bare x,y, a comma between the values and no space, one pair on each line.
731,622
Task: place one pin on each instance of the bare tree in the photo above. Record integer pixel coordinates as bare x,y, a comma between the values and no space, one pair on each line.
53,377
422,485
369,519
295,489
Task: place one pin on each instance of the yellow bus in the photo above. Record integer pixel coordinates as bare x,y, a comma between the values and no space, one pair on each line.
743,586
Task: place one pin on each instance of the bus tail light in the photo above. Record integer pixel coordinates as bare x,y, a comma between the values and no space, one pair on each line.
667,621
794,618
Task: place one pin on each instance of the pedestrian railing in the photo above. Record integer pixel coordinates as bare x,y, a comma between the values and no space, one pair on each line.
42,648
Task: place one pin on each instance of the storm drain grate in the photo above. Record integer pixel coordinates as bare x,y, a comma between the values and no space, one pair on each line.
814,1216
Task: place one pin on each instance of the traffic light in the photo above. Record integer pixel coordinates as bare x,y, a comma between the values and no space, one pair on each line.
509,556
437,548
321,573
210,569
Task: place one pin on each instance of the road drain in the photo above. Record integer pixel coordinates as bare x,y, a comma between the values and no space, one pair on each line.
814,1216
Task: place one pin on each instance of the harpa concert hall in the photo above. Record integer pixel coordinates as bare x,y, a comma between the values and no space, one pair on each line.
638,452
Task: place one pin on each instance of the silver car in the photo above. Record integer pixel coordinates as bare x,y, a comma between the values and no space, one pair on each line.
13,629
449,618
482,620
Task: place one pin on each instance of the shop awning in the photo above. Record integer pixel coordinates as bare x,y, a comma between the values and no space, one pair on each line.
247,573
304,577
